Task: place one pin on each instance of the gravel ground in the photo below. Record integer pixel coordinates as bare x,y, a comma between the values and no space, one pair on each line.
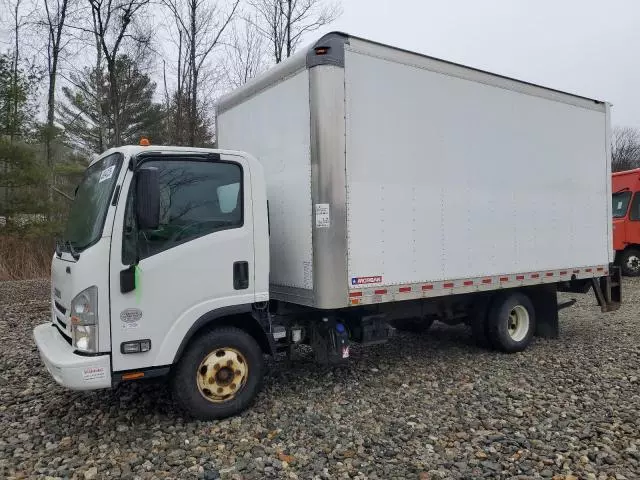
421,407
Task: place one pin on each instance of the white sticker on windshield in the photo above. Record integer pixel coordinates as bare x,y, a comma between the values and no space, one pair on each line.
107,173
619,206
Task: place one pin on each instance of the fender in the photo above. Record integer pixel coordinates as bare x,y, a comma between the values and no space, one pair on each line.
240,316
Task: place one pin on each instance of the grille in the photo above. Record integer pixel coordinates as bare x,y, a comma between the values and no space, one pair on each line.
60,308
65,336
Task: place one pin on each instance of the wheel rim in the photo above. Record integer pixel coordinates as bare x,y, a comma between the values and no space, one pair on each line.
518,325
633,263
222,374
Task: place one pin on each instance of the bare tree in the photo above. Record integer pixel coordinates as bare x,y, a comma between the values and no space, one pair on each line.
20,18
245,53
625,149
56,16
284,22
200,25
16,58
98,88
112,19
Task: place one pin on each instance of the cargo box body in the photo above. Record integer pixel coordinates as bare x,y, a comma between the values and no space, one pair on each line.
395,176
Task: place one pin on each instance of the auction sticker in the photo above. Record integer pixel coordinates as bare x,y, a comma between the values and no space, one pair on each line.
366,280
93,373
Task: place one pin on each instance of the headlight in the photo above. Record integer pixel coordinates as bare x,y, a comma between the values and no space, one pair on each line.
84,320
85,338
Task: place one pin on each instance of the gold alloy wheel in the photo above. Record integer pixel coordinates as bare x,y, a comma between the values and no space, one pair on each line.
222,374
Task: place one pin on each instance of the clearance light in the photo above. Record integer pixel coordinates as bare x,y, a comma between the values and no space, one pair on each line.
322,50
144,142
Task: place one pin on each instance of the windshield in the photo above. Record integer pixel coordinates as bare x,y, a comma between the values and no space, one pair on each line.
89,209
620,204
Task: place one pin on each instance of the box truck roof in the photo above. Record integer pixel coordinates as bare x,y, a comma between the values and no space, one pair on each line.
329,50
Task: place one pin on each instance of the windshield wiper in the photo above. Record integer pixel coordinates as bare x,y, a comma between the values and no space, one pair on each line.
64,246
75,254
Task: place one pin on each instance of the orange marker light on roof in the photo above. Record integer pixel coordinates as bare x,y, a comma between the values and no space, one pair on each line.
144,142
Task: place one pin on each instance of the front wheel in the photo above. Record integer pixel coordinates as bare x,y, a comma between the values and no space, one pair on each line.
219,375
511,322
630,262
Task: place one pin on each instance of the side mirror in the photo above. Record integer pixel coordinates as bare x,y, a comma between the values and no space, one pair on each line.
147,198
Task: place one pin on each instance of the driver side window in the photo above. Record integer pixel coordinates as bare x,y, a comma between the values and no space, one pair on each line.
196,198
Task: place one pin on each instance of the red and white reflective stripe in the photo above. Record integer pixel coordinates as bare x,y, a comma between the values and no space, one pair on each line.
387,293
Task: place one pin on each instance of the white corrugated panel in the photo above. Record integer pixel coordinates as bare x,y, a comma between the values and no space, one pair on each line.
451,178
274,126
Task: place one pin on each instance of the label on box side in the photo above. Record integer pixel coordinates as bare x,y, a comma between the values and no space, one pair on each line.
366,280
323,215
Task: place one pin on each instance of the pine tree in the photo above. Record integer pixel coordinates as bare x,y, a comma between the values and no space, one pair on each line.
86,106
177,126
18,102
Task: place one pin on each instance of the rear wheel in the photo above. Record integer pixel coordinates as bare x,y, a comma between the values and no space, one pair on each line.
630,262
511,322
219,374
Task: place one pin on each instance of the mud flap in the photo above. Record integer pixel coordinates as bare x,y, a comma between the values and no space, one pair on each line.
478,320
545,301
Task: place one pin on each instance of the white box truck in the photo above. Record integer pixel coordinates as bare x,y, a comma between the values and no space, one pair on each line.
380,187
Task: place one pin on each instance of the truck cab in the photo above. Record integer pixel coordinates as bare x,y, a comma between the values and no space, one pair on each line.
162,246
626,220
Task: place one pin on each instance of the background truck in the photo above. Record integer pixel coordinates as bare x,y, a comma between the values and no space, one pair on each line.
626,220
388,186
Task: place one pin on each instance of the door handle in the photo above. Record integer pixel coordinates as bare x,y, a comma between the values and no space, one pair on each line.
240,275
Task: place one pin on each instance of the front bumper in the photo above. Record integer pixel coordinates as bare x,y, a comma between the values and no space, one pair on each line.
70,370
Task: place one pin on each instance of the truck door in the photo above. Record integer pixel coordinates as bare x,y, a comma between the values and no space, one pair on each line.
633,225
620,205
200,258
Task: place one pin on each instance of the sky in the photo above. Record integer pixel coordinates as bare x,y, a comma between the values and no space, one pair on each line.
587,47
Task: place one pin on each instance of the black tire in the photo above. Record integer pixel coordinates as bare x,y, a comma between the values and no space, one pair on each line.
184,377
414,325
503,307
629,261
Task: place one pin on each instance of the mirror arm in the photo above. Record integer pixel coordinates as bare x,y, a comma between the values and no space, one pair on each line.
128,279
